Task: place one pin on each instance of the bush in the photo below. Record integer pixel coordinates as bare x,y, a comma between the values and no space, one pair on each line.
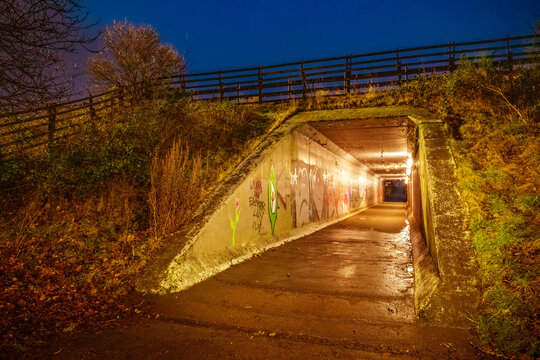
175,188
81,220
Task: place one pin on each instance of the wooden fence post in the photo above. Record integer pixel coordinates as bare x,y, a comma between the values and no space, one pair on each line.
289,88
238,93
52,122
454,54
220,87
347,75
398,66
260,82
92,109
509,55
183,84
303,79
451,57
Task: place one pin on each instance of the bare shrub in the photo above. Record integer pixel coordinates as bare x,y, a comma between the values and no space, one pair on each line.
133,57
35,37
175,188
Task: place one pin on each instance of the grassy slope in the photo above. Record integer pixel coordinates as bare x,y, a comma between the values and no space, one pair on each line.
77,224
493,116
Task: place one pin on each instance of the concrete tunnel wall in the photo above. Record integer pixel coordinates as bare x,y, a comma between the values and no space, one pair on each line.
445,268
297,187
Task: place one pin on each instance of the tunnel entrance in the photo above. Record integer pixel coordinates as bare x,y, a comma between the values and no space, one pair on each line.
395,190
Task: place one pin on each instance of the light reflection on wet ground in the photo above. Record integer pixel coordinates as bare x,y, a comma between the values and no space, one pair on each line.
346,288
367,256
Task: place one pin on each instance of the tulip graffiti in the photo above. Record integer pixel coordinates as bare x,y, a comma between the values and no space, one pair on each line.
237,217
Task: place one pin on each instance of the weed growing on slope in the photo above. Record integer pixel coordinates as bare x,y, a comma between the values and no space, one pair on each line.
175,188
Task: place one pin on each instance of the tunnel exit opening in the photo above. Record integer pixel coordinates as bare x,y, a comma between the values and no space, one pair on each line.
395,190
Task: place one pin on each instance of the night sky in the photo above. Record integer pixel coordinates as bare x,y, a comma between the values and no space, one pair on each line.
228,34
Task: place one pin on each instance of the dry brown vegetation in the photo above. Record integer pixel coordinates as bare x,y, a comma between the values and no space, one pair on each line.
175,179
80,221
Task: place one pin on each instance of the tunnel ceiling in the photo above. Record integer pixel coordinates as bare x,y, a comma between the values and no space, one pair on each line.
381,144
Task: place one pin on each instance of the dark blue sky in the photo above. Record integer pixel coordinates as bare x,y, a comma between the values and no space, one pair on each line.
228,34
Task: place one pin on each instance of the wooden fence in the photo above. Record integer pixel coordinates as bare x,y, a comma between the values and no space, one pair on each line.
351,73
348,74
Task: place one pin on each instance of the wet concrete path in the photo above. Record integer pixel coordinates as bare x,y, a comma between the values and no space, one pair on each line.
343,292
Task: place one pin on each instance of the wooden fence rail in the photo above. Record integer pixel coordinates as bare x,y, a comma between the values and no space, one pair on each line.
23,130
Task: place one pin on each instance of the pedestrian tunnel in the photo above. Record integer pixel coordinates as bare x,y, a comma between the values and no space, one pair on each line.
316,174
320,168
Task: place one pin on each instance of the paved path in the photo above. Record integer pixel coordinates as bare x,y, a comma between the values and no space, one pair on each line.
344,292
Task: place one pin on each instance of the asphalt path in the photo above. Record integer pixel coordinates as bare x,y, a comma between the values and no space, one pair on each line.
344,292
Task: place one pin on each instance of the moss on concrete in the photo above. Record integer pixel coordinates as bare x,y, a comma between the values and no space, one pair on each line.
416,114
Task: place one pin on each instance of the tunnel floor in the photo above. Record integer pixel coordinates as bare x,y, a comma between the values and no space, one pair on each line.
346,291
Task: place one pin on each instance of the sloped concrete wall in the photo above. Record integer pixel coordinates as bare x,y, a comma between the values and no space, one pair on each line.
301,184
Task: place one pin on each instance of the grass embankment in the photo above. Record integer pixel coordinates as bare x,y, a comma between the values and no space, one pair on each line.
80,221
493,116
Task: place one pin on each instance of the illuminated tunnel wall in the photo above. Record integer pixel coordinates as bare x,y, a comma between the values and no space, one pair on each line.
298,182
324,185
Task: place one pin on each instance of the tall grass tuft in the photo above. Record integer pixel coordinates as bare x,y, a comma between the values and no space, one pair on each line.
175,178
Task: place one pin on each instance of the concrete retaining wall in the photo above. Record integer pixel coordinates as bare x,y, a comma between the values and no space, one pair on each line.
445,269
301,184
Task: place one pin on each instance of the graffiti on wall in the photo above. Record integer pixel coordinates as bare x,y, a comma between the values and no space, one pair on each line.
256,187
272,199
234,222
256,204
258,212
324,191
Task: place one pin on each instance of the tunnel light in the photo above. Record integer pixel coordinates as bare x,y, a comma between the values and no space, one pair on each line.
390,154
409,165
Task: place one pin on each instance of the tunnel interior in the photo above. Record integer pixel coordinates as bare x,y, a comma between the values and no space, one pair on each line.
381,144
